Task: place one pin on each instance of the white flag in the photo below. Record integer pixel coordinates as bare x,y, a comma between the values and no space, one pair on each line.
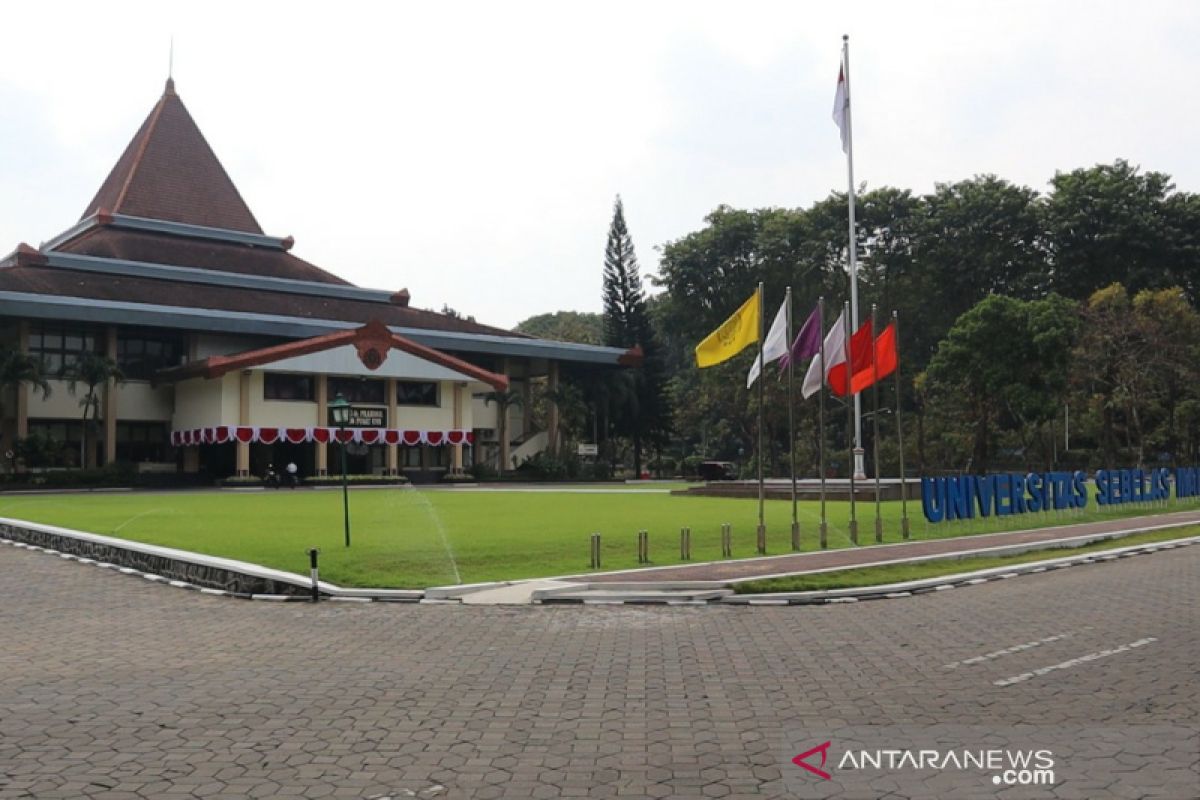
835,353
841,110
775,346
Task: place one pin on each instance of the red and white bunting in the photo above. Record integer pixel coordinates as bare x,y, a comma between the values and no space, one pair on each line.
222,434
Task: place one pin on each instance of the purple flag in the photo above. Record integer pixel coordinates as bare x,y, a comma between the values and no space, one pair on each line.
808,340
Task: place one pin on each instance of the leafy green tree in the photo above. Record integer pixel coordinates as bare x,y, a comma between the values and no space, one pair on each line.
1111,223
91,371
16,369
565,326
1004,364
646,414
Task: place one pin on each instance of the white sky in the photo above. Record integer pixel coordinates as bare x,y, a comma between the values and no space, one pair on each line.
471,151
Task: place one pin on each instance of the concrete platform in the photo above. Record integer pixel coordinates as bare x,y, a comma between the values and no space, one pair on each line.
807,489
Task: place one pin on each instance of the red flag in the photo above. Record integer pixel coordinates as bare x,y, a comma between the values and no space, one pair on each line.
885,361
860,360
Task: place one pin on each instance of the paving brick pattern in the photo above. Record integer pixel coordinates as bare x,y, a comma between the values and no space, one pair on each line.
113,687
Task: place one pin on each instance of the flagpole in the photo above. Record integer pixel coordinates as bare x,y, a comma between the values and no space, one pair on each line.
900,434
849,420
821,421
858,448
762,526
791,423
875,426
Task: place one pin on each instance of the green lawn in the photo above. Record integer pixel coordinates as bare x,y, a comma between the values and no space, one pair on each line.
900,573
409,537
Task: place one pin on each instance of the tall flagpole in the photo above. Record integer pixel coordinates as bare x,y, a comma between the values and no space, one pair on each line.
791,423
849,421
762,525
875,426
858,448
900,434
821,421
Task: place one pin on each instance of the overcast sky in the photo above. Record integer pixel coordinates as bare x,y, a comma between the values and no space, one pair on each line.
471,152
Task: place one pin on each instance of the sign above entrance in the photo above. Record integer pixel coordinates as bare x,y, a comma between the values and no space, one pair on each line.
364,417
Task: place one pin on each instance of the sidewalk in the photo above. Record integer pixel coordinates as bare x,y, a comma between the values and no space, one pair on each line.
869,555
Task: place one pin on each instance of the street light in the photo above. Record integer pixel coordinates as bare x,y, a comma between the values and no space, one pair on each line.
339,409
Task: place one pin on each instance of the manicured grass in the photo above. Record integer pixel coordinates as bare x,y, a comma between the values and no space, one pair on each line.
900,573
410,537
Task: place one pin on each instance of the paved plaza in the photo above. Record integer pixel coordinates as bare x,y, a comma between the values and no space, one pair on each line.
114,687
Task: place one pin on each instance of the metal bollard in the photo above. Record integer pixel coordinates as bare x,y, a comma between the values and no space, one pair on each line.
795,537
726,540
685,544
595,551
312,570
762,540
643,547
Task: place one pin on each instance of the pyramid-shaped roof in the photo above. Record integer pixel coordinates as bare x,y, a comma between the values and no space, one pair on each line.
169,172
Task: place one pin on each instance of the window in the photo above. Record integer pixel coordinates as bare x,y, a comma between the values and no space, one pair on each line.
284,386
142,441
358,390
58,346
65,435
410,456
416,393
142,353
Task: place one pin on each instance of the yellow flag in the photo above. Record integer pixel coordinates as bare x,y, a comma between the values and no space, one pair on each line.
732,337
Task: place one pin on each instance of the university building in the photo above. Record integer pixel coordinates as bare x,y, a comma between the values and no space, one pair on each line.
232,348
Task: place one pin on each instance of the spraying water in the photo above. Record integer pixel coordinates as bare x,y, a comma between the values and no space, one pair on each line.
422,500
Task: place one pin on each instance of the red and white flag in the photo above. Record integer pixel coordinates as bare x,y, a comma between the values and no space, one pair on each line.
841,109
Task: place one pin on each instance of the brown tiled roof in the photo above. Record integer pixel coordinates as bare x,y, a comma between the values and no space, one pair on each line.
180,251
169,172
61,282
374,334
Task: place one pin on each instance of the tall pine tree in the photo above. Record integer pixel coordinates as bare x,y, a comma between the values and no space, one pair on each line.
643,412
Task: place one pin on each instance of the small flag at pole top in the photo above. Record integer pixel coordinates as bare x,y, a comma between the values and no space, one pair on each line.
841,109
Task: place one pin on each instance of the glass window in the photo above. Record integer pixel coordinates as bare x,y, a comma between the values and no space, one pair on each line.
285,386
58,345
141,353
417,393
410,456
358,390
143,441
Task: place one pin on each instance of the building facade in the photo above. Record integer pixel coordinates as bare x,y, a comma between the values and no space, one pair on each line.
232,348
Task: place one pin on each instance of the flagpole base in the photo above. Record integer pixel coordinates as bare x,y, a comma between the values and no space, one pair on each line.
854,531
762,540
904,527
859,470
824,535
878,530
795,536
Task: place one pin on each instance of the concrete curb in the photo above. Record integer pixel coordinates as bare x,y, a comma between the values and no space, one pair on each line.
945,582
182,569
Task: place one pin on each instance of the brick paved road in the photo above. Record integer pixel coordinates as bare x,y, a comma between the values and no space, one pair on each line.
113,687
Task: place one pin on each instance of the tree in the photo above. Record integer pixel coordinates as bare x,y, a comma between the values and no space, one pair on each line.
565,326
17,368
92,370
645,416
1004,363
504,400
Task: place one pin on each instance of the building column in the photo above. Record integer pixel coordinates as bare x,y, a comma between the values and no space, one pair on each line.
243,448
553,421
110,399
322,421
393,450
22,388
456,462
502,424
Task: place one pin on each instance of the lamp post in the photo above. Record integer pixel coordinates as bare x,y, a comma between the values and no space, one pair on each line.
339,409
